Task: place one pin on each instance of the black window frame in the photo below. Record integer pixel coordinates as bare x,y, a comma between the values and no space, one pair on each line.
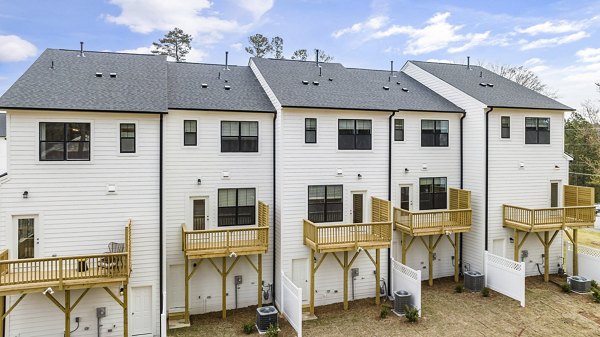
355,139
186,133
310,130
505,127
536,131
399,130
329,205
221,216
65,142
121,137
433,198
239,143
436,134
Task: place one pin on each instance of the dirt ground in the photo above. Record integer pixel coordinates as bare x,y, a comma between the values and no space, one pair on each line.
548,312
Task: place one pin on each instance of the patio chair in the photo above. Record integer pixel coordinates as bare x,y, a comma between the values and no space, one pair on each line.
112,262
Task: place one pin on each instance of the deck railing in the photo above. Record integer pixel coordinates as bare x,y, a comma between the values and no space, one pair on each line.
439,221
375,232
227,239
3,257
559,216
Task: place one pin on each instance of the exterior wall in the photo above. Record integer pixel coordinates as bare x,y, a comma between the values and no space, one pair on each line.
440,162
473,159
528,186
183,166
317,164
3,155
77,216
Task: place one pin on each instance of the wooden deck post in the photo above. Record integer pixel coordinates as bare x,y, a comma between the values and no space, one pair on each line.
224,288
345,268
2,309
125,312
575,253
312,282
456,252
430,281
403,244
259,272
516,256
67,310
377,276
187,290
546,256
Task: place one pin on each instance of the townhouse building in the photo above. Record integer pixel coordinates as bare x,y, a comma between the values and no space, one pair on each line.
3,155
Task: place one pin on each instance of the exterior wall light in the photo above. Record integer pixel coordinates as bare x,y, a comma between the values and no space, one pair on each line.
25,195
359,176
199,181
406,170
340,172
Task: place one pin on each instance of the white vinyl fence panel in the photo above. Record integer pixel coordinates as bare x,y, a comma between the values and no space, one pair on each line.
291,303
406,278
505,276
589,262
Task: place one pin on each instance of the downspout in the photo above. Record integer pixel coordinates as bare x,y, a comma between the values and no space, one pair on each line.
460,259
274,207
389,251
163,311
487,113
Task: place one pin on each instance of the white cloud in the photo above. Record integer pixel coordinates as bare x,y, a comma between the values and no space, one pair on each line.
533,61
193,16
195,55
373,23
552,42
139,50
589,54
237,46
440,61
437,34
549,27
15,49
576,82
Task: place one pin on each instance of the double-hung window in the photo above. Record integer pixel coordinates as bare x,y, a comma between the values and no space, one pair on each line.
434,133
399,129
127,137
237,206
537,130
239,136
325,203
432,193
354,134
190,133
310,130
505,126
64,141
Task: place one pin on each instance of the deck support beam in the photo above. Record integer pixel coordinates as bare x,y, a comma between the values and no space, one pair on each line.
431,246
312,282
2,308
405,246
123,305
186,315
519,244
574,241
547,242
377,276
455,244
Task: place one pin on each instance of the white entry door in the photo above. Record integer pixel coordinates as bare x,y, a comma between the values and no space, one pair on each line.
27,237
141,311
300,276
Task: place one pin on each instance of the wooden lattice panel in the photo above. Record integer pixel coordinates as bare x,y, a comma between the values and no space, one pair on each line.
459,199
263,214
380,210
578,196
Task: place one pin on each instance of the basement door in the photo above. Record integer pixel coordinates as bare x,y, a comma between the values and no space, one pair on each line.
300,276
141,311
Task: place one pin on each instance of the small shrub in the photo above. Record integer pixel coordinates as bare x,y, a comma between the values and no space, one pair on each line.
458,288
485,292
248,328
384,311
272,331
566,288
596,295
411,314
594,284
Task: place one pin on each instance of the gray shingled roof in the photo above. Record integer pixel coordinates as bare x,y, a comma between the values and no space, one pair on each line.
186,91
71,84
344,88
504,93
2,124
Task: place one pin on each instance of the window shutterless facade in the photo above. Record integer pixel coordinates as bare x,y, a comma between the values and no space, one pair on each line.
354,134
325,203
537,130
127,137
505,126
237,206
65,141
239,136
432,193
399,129
434,133
310,130
190,133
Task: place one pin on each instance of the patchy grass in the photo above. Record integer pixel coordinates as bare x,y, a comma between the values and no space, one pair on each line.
589,237
548,312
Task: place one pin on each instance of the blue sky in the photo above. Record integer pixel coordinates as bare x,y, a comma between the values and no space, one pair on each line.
560,40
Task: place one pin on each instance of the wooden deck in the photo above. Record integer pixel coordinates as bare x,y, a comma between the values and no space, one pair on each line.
423,223
345,237
548,219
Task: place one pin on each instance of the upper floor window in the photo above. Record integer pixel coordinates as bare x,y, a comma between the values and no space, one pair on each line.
239,136
127,137
399,129
434,133
432,193
64,141
354,134
325,203
237,206
505,126
190,133
537,130
310,130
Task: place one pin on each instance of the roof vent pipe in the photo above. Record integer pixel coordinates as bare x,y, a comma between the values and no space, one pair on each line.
81,49
320,71
469,62
317,53
226,60
392,68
